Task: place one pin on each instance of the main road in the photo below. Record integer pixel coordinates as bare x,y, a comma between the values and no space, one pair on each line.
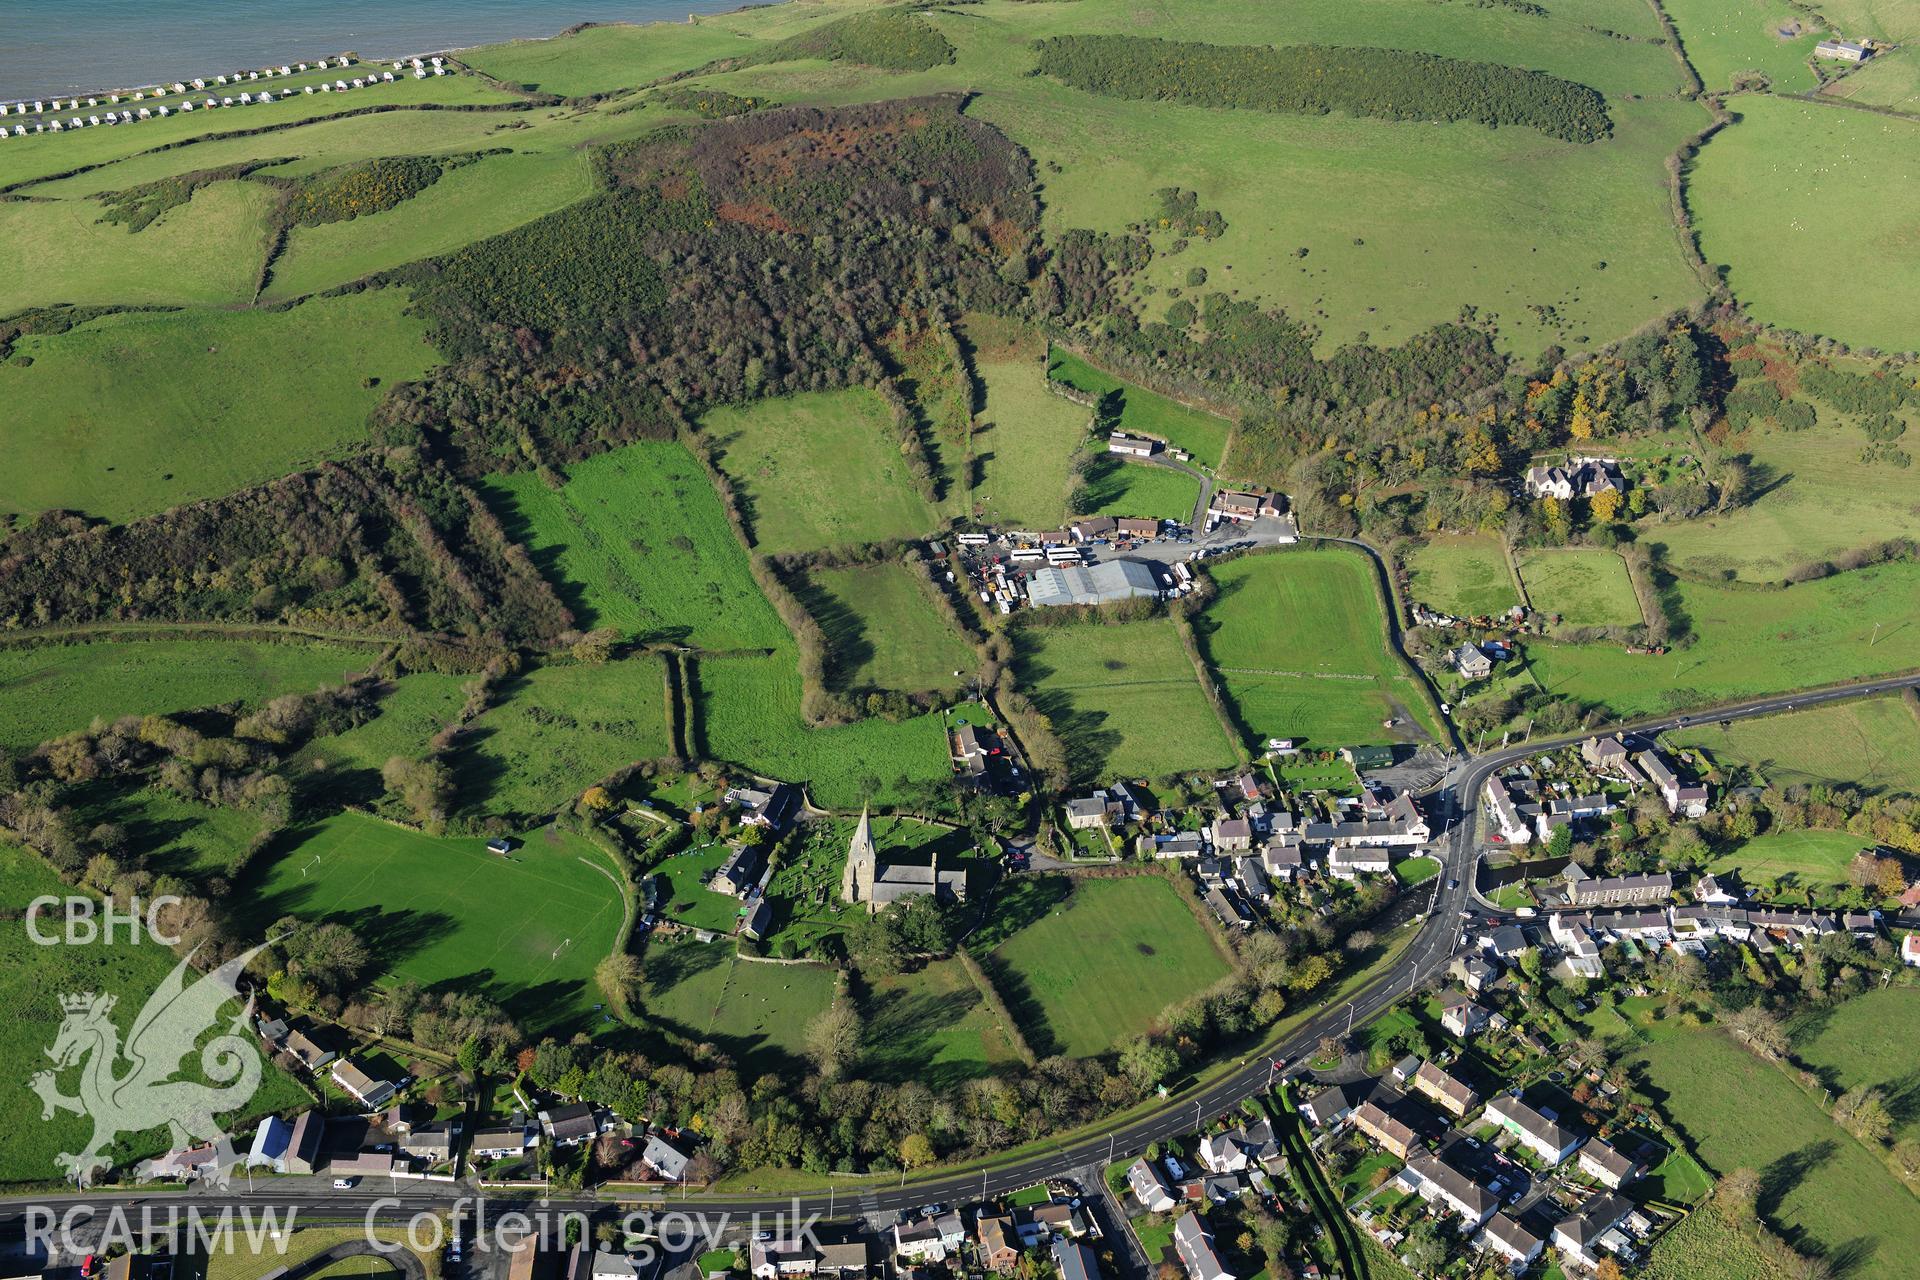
1451,805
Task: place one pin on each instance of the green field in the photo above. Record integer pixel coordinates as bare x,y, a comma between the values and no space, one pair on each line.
481,199
1464,575
1123,698
1750,643
172,836
1819,1185
748,713
1890,79
1795,178
1299,640
1868,1041
48,690
1147,413
1725,38
133,414
1116,487
411,710
206,251
637,540
757,1013
1707,1246
526,929
1819,499
32,980
931,1025
819,470
603,58
1026,440
1807,859
1586,588
556,731
1873,744
884,632
1101,967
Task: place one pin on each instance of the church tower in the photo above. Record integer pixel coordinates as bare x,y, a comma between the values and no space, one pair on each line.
857,884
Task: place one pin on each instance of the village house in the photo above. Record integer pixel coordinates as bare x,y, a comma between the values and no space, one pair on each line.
998,1245
287,1146
1334,1103
1132,446
431,1143
307,1052
1473,971
504,1141
363,1086
665,1160
1075,1260
571,1125
929,1238
1580,1235
1580,478
1580,951
1534,1131
1505,814
770,806
1253,881
1148,1187
1470,662
1442,1185
1583,890
1511,1241
1608,1165
1282,859
1388,1133
1352,863
1243,505
1228,908
1460,1016
1194,1243
1232,835
1183,844
1455,1096
1841,50
1094,528
740,874
608,1265
1689,800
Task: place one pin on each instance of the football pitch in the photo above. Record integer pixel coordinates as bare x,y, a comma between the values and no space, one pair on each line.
444,911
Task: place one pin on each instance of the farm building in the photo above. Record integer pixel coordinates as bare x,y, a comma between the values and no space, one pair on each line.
1843,50
1096,584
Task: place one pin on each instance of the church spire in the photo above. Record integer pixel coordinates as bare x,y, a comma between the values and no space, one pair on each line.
862,860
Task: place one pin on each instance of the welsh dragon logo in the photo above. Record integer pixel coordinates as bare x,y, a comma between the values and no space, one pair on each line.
135,1087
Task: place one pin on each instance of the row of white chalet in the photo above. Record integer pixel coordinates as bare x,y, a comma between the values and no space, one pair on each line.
131,108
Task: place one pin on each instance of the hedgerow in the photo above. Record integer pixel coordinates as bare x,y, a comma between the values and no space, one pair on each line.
1392,84
137,207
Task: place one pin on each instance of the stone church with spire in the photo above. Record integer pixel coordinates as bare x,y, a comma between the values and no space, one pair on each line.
881,884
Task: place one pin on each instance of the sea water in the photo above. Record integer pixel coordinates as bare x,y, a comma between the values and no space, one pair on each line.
66,46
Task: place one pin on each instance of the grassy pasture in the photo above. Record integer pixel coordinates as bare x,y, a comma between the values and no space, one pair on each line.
1724,38
748,713
1750,643
48,690
757,1012
559,729
1145,412
526,929
819,470
1819,499
1868,1041
1117,487
1707,1246
1809,859
32,980
208,250
173,836
689,902
1100,967
1586,587
1890,79
1793,182
1873,743
604,58
1123,698
931,1025
883,630
637,540
1024,449
1818,1184
1299,640
470,203
1464,575
132,414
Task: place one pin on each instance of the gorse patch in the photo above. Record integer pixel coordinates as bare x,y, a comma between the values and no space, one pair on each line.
890,39
1391,84
373,187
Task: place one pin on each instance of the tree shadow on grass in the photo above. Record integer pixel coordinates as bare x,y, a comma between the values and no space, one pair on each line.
1030,1015
847,646
900,1024
546,558
1779,1179
1022,901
